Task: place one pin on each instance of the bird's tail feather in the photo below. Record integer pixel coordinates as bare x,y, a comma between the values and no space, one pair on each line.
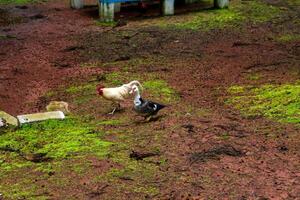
161,106
135,82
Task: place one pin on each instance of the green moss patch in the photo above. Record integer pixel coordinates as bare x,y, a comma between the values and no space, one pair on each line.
84,89
52,139
140,173
237,14
112,122
254,77
288,38
161,89
206,20
138,63
279,102
20,1
105,24
257,11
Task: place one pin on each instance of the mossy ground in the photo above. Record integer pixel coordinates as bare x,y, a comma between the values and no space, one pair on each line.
69,143
21,1
43,147
279,102
54,139
288,38
237,14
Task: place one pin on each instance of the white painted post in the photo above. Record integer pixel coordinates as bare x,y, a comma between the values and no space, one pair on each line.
221,3
76,4
106,11
117,7
168,7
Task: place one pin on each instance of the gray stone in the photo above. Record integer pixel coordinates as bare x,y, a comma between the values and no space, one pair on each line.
9,119
28,118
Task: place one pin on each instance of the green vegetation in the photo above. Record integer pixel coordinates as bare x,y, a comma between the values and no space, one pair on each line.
257,11
81,94
288,38
86,89
5,37
20,1
236,14
108,24
160,89
254,77
131,169
114,79
43,149
224,136
52,140
23,190
279,102
112,122
206,20
136,63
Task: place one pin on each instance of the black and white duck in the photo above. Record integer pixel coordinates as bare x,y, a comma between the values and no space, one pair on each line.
143,107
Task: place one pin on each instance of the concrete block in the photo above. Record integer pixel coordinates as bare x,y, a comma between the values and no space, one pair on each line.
28,118
9,119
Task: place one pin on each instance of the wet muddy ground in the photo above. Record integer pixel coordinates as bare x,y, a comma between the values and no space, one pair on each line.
199,148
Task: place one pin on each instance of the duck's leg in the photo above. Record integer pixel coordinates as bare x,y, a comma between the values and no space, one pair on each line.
117,107
113,111
148,119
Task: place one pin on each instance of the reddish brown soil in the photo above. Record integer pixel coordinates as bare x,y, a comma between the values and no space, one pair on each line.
37,58
249,164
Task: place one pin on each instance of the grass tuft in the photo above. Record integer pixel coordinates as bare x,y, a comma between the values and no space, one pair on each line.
279,102
55,139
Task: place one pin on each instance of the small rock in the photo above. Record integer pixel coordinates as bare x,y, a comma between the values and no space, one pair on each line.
58,106
9,119
23,119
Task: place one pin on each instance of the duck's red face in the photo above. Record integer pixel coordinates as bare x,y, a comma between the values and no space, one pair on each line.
100,89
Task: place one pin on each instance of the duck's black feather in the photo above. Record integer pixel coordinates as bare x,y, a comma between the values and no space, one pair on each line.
148,108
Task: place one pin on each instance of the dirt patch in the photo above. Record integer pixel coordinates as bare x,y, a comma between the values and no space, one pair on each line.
41,41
